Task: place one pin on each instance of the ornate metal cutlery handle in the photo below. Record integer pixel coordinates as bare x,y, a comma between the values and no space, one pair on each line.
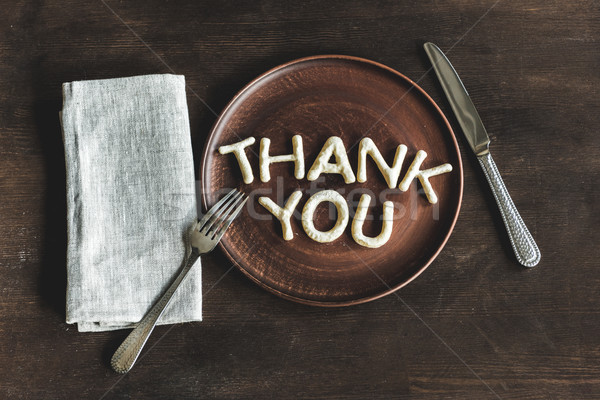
525,248
130,349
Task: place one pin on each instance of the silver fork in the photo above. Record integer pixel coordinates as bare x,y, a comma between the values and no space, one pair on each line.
204,237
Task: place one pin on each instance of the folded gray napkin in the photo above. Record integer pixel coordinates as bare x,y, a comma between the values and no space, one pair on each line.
130,200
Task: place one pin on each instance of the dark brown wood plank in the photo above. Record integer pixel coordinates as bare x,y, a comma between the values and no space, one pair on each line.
474,325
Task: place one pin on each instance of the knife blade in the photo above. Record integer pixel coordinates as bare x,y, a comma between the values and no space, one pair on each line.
459,99
523,244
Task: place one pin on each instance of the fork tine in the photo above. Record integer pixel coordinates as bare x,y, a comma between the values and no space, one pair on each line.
211,211
229,220
218,221
219,206
223,210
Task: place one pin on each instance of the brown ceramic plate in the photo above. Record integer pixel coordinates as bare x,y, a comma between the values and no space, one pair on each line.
319,97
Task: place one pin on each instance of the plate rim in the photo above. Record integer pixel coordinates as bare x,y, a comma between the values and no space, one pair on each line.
342,303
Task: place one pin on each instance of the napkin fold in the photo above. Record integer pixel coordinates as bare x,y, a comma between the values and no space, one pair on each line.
130,200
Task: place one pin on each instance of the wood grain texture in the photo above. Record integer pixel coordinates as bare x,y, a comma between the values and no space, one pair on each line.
474,325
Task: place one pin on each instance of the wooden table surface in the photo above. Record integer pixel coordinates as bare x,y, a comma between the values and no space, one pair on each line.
474,325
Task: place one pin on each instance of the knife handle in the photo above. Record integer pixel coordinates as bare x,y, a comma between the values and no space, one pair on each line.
527,252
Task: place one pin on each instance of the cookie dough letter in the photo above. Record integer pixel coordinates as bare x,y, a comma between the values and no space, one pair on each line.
333,146
309,211
359,219
238,150
414,171
265,160
283,214
391,174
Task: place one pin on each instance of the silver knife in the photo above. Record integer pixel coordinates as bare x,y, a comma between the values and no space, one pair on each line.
527,252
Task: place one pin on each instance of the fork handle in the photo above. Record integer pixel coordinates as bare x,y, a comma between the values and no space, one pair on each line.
130,349
525,248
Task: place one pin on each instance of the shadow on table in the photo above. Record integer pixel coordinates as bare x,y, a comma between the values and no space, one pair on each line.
53,276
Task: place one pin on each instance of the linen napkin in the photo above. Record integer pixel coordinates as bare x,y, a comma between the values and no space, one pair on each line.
130,200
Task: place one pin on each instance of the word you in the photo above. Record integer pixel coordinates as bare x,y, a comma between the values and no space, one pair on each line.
334,148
